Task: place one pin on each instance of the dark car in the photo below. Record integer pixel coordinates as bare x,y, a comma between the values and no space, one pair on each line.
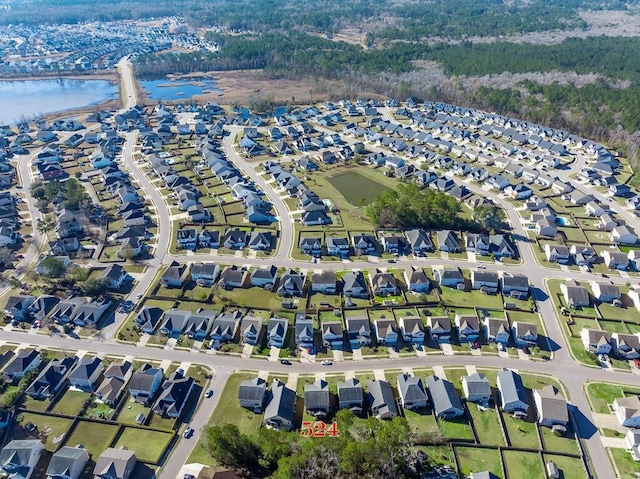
285,362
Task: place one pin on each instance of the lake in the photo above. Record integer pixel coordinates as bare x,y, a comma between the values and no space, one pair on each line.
168,90
356,187
32,98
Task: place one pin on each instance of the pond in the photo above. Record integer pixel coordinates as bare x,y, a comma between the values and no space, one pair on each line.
168,90
28,99
356,188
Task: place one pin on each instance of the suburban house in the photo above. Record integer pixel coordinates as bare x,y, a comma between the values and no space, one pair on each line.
364,244
615,260
148,318
606,292
394,244
225,326
174,394
338,246
477,243
264,277
232,277
575,296
280,409
556,253
250,328
417,280
175,276
596,341
476,388
551,408
468,328
354,285
623,234
497,330
311,246
513,395
448,241
291,284
383,284
276,331
324,282
332,334
17,307
175,321
19,458
67,463
115,464
351,396
412,329
205,274
515,285
485,281
24,362
450,276
235,239
386,333
439,328
115,276
251,394
627,410
358,331
187,238
632,441
317,399
626,346
86,373
525,334
303,330
145,382
411,391
381,399
444,398
51,378
419,241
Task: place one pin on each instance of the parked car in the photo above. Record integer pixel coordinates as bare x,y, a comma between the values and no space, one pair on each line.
326,362
285,362
188,432
208,393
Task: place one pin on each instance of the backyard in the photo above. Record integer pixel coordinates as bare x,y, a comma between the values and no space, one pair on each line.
474,459
523,464
149,444
95,437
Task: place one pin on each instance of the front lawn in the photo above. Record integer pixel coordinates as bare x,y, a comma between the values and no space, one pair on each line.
93,436
602,395
149,445
229,411
627,467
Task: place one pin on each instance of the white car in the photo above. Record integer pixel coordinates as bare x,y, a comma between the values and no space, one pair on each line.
326,362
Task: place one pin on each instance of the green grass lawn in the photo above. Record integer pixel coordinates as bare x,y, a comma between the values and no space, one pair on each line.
628,314
94,437
99,410
521,433
251,298
538,381
565,443
51,427
130,411
627,467
568,466
149,445
457,428
602,395
422,422
523,464
487,426
473,459
228,409
71,403
36,404
364,378
470,299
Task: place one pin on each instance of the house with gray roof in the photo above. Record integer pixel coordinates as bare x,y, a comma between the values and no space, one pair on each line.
596,341
626,346
251,394
497,330
145,382
354,285
250,328
115,275
476,388
606,292
419,241
575,295
19,458
110,390
42,306
24,362
205,274
291,284
225,326
515,285
417,280
51,378
276,331
412,329
450,276
386,333
115,464
317,399
351,396
448,241
332,334
17,307
148,318
439,328
513,394
232,277
358,331
174,395
281,406
525,334
264,277
444,398
86,373
67,463
411,392
175,276
468,327
303,330
174,321
551,408
485,281
381,399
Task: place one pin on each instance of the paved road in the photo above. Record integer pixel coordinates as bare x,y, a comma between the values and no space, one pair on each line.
573,375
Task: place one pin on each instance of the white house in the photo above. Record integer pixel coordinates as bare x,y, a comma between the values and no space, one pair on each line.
627,411
596,341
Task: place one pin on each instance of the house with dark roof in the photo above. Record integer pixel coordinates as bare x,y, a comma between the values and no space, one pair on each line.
394,244
419,241
174,395
513,394
145,382
148,318
468,327
19,458
448,241
439,329
317,399
51,378
250,328
381,399
551,408
596,341
175,276
17,307
525,334
351,396
42,306
24,362
303,330
575,295
232,277
515,285
364,244
86,373
384,284
444,398
332,334
412,329
251,394
324,282
264,277
115,464
476,388
485,281
497,330
291,284
235,239
225,326
338,246
354,285
67,463
477,243
280,409
411,391
276,331
358,331
205,274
